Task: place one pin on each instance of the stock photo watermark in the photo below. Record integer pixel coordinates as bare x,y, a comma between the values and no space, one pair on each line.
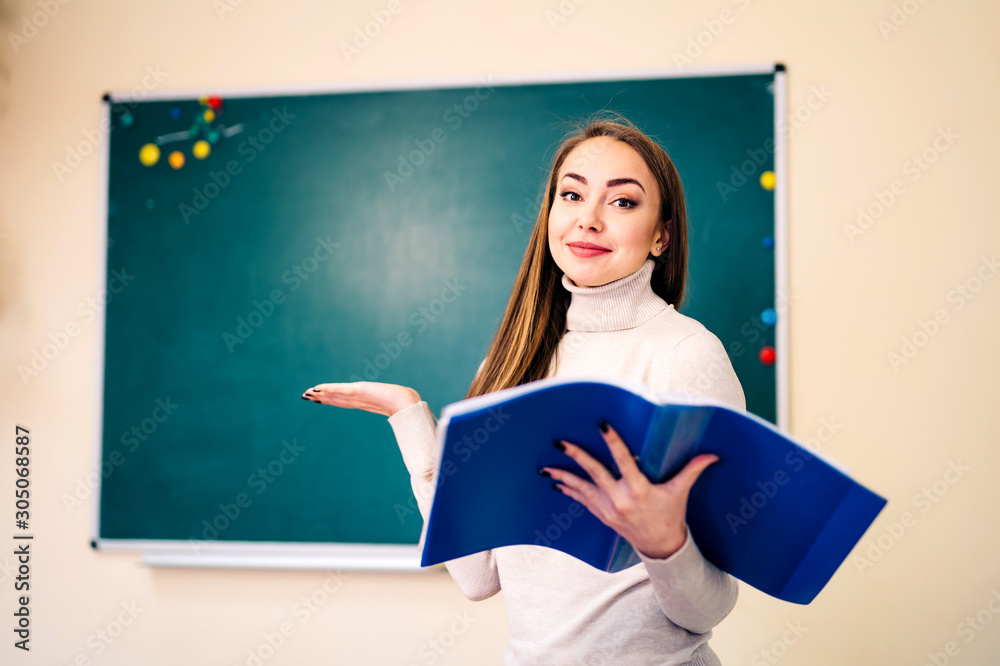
223,8
899,15
101,639
563,11
969,628
131,439
258,481
302,610
913,169
295,276
87,310
32,23
249,148
527,218
712,29
311,604
757,158
584,154
927,329
92,138
465,449
753,330
454,116
419,320
436,646
779,648
364,35
768,488
925,499
561,523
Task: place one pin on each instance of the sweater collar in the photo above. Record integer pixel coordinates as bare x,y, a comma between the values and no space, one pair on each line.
622,304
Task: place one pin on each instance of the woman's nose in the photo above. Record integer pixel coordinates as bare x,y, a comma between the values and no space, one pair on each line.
590,218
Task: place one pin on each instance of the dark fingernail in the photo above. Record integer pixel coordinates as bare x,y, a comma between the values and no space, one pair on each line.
544,473
555,486
559,445
604,426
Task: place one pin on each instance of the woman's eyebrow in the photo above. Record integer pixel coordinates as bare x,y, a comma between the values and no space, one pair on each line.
614,182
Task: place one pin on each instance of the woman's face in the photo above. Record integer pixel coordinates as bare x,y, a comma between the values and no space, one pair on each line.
605,218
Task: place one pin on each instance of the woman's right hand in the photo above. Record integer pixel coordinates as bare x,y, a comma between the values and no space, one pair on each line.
384,399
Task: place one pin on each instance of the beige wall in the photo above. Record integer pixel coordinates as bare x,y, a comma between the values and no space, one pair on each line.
854,298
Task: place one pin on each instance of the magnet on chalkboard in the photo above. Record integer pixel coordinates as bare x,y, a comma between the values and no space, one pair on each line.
768,242
149,154
769,317
201,149
767,355
176,159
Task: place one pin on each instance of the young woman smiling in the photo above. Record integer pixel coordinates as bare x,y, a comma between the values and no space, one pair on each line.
596,295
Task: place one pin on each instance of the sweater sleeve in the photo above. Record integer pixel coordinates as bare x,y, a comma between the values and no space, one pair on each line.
692,592
699,365
414,427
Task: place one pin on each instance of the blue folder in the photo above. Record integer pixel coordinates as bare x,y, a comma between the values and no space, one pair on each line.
773,513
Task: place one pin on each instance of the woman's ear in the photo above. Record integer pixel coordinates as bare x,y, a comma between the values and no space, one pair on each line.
661,240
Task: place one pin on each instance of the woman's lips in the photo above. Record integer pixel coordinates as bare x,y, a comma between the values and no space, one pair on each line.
587,249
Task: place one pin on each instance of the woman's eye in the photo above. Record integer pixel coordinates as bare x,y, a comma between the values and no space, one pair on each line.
623,202
569,196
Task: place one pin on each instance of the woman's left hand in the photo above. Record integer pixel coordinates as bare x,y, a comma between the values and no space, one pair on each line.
651,517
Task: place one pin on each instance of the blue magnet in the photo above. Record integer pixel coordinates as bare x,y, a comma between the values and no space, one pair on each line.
769,317
768,242
175,113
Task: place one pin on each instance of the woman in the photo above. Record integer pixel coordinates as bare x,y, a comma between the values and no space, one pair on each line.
595,296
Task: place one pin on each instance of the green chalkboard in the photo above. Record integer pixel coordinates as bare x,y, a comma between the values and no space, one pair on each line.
340,235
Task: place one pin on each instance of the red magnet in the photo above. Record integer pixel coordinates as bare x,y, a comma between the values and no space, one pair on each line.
767,355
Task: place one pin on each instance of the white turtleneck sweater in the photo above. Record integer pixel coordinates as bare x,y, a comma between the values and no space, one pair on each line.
560,610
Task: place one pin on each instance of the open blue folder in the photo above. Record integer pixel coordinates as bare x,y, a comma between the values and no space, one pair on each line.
773,513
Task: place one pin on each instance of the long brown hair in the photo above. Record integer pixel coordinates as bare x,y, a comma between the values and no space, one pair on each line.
535,318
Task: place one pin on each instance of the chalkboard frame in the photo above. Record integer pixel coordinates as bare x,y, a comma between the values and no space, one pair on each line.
403,557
